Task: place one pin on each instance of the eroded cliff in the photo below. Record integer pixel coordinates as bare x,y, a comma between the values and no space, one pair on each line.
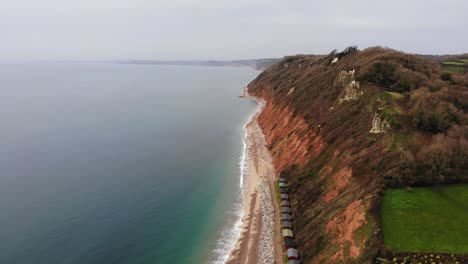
320,125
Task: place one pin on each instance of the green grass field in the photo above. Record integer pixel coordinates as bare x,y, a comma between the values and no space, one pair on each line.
454,69
455,66
430,219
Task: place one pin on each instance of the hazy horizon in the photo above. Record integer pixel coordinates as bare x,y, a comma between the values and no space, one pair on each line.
224,30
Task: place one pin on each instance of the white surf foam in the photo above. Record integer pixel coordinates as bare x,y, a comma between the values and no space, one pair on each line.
232,231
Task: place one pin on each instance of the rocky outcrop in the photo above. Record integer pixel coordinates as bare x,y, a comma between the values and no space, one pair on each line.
379,125
345,77
352,88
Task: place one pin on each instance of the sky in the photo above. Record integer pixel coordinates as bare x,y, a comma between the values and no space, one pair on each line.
222,29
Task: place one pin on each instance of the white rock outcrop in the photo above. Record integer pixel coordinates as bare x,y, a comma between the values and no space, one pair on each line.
379,125
352,87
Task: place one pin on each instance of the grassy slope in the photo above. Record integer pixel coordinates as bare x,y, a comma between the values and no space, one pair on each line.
426,219
455,66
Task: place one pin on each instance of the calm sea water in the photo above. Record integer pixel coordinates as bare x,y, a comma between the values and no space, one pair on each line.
108,163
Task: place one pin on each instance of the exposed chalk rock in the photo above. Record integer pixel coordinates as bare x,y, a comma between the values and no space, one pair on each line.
379,125
344,78
352,87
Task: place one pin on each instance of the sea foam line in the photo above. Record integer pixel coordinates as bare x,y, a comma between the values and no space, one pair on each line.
230,235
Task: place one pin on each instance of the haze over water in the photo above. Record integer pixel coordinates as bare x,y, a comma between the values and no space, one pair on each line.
108,163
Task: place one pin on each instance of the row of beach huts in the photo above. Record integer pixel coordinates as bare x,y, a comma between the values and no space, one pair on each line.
286,222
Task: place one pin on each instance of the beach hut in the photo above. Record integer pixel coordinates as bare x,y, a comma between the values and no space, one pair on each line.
283,190
289,242
294,261
282,184
285,217
286,209
284,196
282,180
287,233
283,203
293,254
286,224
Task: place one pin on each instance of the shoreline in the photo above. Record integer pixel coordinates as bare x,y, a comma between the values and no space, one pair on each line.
258,241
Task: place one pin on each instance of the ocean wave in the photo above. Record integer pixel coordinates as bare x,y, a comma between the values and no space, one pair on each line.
232,231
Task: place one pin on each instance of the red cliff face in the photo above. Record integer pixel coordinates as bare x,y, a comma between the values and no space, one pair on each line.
319,124
331,212
289,138
338,213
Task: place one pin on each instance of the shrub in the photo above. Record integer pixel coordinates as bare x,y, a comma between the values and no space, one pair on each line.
332,53
402,86
446,160
432,114
289,59
383,74
446,76
347,51
435,118
433,88
401,169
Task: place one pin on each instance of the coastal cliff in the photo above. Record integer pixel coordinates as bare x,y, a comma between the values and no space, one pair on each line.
342,128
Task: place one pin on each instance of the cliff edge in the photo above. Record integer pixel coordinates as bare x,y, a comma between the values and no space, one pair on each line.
342,128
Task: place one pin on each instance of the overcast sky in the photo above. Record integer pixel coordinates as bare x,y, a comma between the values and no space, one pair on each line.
221,29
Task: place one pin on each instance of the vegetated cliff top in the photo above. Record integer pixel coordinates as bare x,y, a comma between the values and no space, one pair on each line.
412,95
446,57
344,127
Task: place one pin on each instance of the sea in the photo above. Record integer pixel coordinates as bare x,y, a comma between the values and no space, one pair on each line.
121,163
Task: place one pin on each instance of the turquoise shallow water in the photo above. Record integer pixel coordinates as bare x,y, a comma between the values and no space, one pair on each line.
107,163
